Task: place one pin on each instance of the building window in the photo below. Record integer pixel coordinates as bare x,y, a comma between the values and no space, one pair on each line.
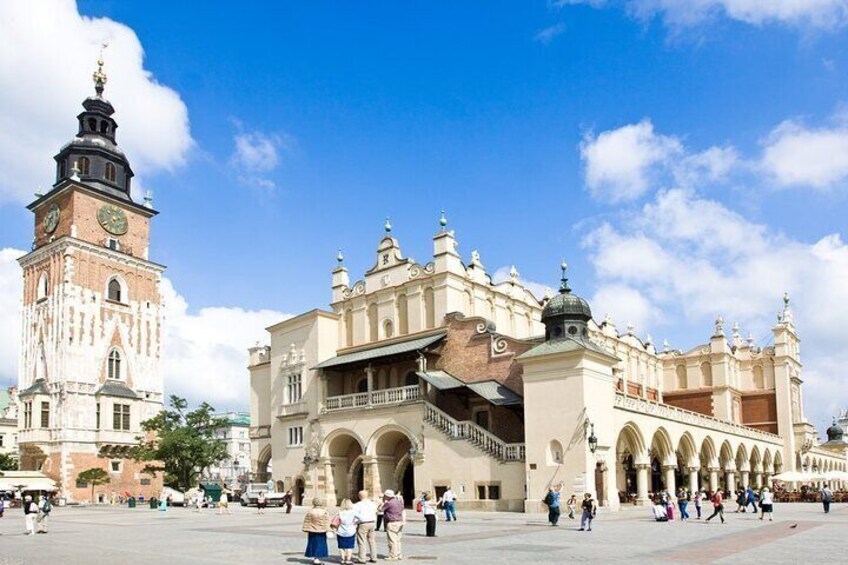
62,169
110,172
114,245
84,165
42,286
121,417
114,290
45,414
115,466
295,436
144,482
488,492
294,392
27,415
92,124
104,126
388,329
114,364
97,416
1,439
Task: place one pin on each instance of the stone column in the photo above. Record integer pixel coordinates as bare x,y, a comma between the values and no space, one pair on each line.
642,483
745,479
670,482
370,373
693,479
730,481
713,478
758,480
329,483
371,474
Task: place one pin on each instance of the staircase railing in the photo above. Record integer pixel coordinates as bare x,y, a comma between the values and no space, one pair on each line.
477,435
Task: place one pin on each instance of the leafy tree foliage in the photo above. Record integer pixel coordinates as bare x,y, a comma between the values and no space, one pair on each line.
94,476
8,462
180,443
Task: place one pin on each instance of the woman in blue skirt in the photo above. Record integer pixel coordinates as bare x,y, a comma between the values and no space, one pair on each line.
345,525
316,523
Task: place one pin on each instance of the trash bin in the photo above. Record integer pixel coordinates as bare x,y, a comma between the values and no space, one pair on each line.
131,502
154,503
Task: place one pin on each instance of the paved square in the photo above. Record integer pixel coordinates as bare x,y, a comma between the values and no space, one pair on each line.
801,533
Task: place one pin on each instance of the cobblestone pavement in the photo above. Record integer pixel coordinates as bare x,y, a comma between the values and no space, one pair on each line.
801,533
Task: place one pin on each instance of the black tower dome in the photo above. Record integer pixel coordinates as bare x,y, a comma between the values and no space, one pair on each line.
566,315
835,432
92,157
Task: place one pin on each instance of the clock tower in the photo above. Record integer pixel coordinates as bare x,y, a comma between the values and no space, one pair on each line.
89,369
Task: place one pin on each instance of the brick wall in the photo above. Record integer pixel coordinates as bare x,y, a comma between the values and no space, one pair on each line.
701,402
759,410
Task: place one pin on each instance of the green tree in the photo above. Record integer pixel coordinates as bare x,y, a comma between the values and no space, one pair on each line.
8,462
94,476
180,443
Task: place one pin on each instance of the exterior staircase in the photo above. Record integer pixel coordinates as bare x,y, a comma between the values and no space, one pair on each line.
475,434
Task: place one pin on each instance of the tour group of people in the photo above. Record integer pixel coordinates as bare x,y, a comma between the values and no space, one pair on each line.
356,524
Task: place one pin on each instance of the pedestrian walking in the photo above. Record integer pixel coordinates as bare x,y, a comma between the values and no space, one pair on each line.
718,507
261,503
740,500
826,498
316,524
552,501
572,506
44,509
345,525
682,504
429,510
750,499
590,509
365,514
2,506
449,504
223,504
30,513
395,518
766,504
699,497
287,501
379,504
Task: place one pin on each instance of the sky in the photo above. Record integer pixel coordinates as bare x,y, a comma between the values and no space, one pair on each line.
687,158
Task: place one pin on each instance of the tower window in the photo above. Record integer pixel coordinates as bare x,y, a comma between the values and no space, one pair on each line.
84,165
92,124
115,290
114,364
45,414
104,127
110,172
62,169
42,286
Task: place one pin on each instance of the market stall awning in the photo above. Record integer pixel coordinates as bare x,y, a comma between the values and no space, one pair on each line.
26,480
372,353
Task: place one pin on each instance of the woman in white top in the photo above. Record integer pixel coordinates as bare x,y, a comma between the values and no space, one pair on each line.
766,503
346,530
428,508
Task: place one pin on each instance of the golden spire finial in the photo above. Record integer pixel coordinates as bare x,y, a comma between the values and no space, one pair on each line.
99,76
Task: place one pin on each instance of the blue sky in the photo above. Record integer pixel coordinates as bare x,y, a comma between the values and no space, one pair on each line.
498,112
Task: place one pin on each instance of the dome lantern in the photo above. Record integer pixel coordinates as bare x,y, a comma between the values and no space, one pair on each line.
566,315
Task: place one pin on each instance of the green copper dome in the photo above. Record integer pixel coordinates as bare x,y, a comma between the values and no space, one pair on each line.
565,304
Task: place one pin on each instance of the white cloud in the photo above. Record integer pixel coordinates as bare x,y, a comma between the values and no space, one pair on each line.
795,155
11,291
548,34
256,151
48,53
621,164
692,258
625,305
205,352
818,14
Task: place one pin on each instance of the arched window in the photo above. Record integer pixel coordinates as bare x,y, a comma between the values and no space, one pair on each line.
555,453
84,165
410,379
62,168
429,309
682,381
362,385
110,172
706,374
403,314
104,127
388,329
469,303
115,290
114,364
42,286
372,322
92,124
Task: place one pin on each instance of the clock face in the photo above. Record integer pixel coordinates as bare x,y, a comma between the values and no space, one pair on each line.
51,218
112,219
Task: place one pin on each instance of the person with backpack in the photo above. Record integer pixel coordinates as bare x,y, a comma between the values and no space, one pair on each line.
682,503
826,498
718,507
44,508
30,512
551,500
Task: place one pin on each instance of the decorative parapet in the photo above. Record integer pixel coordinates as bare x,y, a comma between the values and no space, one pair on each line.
675,414
259,432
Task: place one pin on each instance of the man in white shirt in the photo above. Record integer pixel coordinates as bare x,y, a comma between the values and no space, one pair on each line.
660,513
365,515
449,503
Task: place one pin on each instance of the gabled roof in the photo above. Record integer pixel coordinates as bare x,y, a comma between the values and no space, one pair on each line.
379,351
38,387
564,346
116,388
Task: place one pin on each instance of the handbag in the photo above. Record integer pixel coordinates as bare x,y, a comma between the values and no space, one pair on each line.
335,522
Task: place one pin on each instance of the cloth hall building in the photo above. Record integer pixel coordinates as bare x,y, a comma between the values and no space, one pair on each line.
421,376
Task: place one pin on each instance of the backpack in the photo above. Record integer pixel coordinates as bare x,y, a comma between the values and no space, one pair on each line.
549,499
47,507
